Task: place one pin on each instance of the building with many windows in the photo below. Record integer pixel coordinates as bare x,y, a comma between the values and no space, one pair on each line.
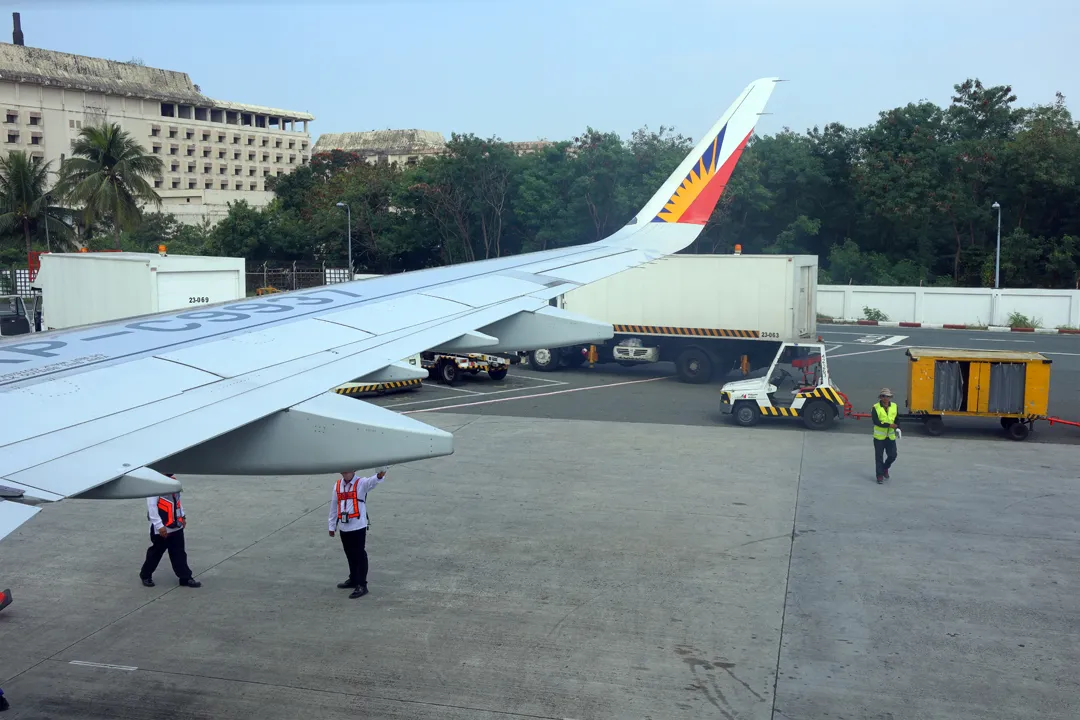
214,151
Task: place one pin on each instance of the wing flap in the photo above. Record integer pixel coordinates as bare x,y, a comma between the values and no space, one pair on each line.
253,351
593,270
387,316
88,397
485,290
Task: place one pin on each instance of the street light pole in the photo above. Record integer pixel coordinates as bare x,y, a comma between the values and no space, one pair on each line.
48,244
348,233
997,257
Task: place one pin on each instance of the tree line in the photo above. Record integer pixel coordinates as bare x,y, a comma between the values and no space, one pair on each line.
905,200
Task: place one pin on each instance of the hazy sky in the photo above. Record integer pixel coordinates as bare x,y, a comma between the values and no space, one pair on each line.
548,69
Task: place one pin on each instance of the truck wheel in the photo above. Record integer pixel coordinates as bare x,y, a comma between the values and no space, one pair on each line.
544,359
498,374
694,366
818,415
1018,431
746,414
448,373
935,426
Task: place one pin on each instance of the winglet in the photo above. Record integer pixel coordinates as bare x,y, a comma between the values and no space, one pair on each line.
691,192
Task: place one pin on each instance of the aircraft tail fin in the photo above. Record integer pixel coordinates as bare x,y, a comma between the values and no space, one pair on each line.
690,194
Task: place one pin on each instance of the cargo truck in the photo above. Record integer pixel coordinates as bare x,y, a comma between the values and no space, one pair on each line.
89,288
705,313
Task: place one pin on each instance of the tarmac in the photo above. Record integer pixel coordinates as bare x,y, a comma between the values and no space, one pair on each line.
572,569
860,364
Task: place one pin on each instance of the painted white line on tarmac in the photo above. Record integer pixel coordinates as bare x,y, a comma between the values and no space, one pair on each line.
993,340
834,347
535,395
436,386
550,383
893,340
83,663
865,333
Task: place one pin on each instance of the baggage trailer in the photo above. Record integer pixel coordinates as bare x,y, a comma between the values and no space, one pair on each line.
1009,385
705,313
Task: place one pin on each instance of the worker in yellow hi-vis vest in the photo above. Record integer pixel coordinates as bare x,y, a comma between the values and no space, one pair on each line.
884,416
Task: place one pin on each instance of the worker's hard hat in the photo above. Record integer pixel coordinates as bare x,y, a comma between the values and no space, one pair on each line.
885,392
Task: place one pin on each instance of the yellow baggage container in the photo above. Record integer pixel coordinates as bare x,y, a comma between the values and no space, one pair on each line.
1013,386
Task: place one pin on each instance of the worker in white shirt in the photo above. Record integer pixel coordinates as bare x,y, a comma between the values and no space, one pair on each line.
348,513
167,521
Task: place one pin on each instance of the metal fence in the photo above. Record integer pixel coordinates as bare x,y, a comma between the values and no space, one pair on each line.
268,279
14,281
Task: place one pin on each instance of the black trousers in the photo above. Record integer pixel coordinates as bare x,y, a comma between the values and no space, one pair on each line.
353,543
888,448
173,543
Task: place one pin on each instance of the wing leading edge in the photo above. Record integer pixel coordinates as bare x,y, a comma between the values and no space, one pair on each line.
244,388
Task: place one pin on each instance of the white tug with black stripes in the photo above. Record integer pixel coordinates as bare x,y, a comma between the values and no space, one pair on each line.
796,385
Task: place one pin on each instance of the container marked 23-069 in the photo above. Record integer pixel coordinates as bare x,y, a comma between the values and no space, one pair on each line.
203,299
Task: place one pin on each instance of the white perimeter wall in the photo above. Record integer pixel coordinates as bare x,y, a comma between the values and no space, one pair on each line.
960,306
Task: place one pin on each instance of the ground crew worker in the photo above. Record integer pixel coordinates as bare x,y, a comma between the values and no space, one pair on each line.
348,512
884,415
4,704
167,521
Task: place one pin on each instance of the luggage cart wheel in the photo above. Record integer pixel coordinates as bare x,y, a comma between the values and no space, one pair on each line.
1018,430
935,426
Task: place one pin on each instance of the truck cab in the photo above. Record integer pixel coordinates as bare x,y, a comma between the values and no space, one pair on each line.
14,318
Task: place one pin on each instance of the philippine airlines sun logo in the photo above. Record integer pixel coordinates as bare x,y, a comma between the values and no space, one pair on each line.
694,183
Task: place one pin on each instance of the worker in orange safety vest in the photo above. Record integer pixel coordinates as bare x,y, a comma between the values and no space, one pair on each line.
167,521
348,513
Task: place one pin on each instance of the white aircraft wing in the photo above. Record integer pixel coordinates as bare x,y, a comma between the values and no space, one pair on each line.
244,388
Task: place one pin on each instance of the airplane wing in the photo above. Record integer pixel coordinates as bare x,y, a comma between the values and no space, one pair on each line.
109,411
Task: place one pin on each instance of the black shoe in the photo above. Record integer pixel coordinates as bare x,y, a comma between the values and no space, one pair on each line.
4,705
148,582
360,591
191,583
346,584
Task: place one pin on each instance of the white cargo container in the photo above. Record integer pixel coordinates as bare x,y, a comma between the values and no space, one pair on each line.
705,313
85,288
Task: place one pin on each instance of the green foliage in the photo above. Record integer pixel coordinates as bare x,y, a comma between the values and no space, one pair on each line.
26,207
870,313
106,176
905,200
1019,320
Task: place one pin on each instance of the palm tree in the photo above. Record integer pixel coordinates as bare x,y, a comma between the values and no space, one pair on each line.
24,196
106,175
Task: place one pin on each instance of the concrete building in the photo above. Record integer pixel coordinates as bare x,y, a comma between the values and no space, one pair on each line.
405,147
214,151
